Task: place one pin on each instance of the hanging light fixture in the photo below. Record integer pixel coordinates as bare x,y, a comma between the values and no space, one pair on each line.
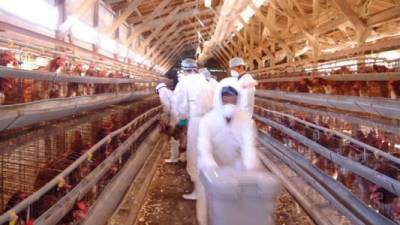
207,3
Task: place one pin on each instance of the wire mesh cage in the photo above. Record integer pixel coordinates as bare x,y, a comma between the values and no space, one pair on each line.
346,66
28,167
357,144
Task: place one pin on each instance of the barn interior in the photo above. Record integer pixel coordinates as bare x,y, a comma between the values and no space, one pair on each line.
80,140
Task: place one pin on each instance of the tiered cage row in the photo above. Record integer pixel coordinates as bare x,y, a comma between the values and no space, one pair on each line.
26,168
367,77
366,138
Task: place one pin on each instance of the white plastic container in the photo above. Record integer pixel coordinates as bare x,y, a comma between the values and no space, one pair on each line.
239,198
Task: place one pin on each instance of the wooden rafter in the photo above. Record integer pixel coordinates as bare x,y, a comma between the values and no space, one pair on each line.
78,10
359,26
155,22
300,21
316,9
281,28
165,37
128,10
164,56
175,52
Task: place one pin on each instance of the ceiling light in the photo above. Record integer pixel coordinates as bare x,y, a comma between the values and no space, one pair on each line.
207,3
390,55
258,3
247,14
36,11
84,32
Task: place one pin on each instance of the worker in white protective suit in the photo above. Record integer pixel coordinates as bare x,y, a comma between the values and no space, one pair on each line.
179,75
193,100
246,83
213,83
169,119
226,138
206,73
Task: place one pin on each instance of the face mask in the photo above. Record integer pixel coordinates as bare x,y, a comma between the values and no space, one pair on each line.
228,110
234,74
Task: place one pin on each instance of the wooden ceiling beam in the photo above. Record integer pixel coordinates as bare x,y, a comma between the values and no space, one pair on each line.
384,16
298,6
175,52
173,57
302,23
146,42
128,9
165,37
181,29
150,24
269,26
242,45
316,9
246,55
78,9
229,52
139,13
224,53
374,20
157,11
224,60
217,55
345,8
300,20
169,42
163,43
222,57
162,56
359,26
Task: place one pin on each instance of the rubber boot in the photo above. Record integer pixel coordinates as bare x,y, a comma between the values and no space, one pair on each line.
174,148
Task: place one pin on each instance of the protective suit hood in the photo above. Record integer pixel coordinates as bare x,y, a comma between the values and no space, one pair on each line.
232,82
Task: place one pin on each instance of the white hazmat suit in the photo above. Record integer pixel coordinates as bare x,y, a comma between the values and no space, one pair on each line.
225,144
248,86
213,83
170,115
246,83
193,100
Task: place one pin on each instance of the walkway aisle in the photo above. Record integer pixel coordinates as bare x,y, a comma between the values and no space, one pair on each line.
163,204
157,200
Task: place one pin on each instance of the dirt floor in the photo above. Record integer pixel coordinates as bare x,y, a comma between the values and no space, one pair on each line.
164,204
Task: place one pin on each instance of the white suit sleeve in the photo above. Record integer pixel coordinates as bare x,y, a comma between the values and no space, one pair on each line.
248,148
181,101
248,84
174,116
164,99
205,100
204,147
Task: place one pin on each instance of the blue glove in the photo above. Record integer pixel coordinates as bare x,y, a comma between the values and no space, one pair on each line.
183,123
